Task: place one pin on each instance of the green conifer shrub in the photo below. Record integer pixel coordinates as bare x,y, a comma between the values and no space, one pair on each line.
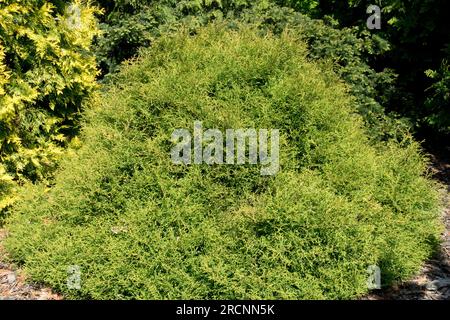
46,72
141,227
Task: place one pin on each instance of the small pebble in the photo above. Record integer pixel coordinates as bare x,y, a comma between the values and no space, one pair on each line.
11,278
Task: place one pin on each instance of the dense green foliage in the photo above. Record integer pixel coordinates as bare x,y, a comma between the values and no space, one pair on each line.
140,226
418,31
349,50
46,70
130,25
437,102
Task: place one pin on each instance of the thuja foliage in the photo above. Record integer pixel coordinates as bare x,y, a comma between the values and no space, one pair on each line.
141,227
130,25
350,51
46,70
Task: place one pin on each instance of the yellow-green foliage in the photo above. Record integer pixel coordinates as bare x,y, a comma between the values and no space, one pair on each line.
46,70
139,226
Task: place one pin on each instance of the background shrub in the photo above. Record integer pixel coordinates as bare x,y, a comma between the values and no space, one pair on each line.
46,71
141,227
437,103
130,25
418,33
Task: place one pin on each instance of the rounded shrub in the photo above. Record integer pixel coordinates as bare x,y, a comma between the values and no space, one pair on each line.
140,226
